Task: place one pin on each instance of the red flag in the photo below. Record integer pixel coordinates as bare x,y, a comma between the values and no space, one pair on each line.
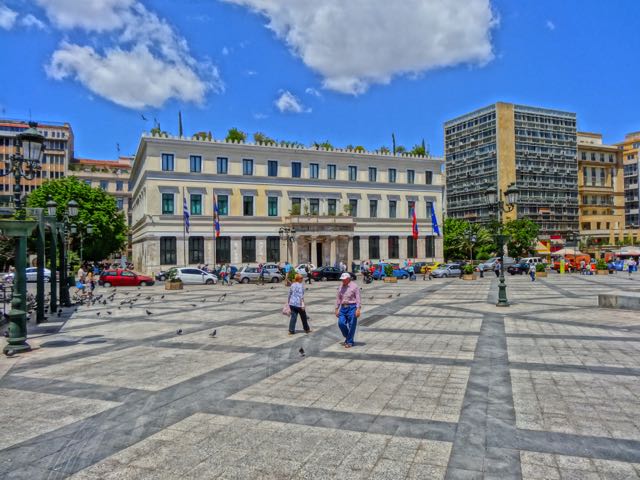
414,222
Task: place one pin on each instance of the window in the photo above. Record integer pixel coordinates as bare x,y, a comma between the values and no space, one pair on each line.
272,167
430,247
247,206
223,165
223,250
392,175
428,177
394,247
393,209
356,248
584,155
167,250
247,166
603,177
331,172
296,169
86,182
272,204
119,185
167,162
373,208
195,163
296,205
593,176
410,206
273,249
167,204
248,249
196,249
314,206
353,173
593,156
353,207
412,247
374,247
314,170
104,184
332,206
223,205
373,174
196,204
411,176
120,203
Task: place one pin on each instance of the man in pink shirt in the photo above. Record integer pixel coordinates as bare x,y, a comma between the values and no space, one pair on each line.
348,309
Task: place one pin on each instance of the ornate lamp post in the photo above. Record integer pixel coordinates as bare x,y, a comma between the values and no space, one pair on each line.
52,220
25,163
88,230
287,234
64,228
502,202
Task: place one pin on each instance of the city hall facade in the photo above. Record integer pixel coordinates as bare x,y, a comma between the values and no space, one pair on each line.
343,205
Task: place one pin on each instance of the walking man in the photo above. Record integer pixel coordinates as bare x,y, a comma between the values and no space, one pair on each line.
307,270
532,271
496,268
631,266
348,309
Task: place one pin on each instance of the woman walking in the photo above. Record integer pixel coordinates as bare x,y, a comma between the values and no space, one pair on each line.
296,304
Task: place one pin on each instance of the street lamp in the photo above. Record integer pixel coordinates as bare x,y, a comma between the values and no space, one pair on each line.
87,230
64,227
25,163
287,234
502,202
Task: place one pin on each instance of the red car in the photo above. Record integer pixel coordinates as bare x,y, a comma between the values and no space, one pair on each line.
124,278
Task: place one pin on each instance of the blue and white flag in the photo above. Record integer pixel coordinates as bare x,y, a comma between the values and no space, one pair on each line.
185,211
434,221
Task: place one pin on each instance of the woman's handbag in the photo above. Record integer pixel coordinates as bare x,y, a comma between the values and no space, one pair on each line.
286,310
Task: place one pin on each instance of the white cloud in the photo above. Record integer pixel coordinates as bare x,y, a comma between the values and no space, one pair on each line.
550,25
7,17
90,15
32,21
147,64
355,43
133,79
225,51
260,116
288,103
313,92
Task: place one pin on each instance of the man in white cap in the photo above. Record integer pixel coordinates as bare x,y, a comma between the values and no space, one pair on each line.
348,308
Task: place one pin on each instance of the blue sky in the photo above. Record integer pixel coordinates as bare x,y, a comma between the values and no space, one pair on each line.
350,74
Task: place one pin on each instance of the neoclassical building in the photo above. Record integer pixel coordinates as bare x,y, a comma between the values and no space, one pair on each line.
343,205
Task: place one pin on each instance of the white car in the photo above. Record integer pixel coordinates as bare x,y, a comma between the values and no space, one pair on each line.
300,268
195,276
32,275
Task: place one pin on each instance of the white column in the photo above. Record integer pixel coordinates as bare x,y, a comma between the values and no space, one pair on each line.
236,251
349,252
261,249
439,246
364,248
208,251
403,248
332,252
294,252
422,248
314,251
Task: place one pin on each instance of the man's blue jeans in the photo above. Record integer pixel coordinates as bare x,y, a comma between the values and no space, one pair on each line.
347,322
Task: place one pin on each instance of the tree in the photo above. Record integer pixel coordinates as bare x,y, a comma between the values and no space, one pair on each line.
291,144
235,135
95,207
459,241
260,137
418,150
200,135
384,149
522,236
359,149
326,145
400,149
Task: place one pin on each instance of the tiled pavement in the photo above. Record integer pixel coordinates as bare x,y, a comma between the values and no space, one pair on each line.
442,384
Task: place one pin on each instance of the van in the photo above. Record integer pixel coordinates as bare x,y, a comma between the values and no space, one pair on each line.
534,260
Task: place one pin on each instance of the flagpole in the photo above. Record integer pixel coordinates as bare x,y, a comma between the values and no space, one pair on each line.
184,231
215,238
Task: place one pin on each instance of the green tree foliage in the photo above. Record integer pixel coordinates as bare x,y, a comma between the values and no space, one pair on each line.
400,149
95,207
235,135
326,145
291,144
458,239
359,148
260,137
418,150
384,149
522,236
200,135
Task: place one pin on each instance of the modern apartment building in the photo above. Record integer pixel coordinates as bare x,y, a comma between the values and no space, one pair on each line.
58,152
631,158
601,190
501,144
112,176
344,206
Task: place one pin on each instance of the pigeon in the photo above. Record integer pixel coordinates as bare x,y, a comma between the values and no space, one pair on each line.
397,295
10,353
203,300
148,312
108,312
148,298
272,288
213,334
222,297
371,298
98,314
60,311
104,302
242,301
301,352
161,297
179,331
59,314
390,296
6,333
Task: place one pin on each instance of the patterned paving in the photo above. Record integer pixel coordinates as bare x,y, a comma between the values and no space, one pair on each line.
441,385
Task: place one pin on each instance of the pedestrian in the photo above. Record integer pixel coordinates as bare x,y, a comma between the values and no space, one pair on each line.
427,272
532,271
496,268
297,306
307,271
412,273
82,274
261,273
481,270
348,309
632,266
231,272
583,267
353,267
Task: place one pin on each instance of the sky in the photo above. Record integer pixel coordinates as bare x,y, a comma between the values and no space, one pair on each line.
348,71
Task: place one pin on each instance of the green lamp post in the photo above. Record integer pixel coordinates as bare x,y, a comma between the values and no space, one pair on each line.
502,202
25,163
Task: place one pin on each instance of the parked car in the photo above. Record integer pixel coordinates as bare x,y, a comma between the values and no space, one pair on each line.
250,274
301,268
161,276
379,272
195,276
447,270
419,267
519,268
328,273
490,264
32,275
124,278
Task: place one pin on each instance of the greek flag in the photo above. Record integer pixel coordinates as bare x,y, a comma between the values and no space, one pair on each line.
216,215
185,211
